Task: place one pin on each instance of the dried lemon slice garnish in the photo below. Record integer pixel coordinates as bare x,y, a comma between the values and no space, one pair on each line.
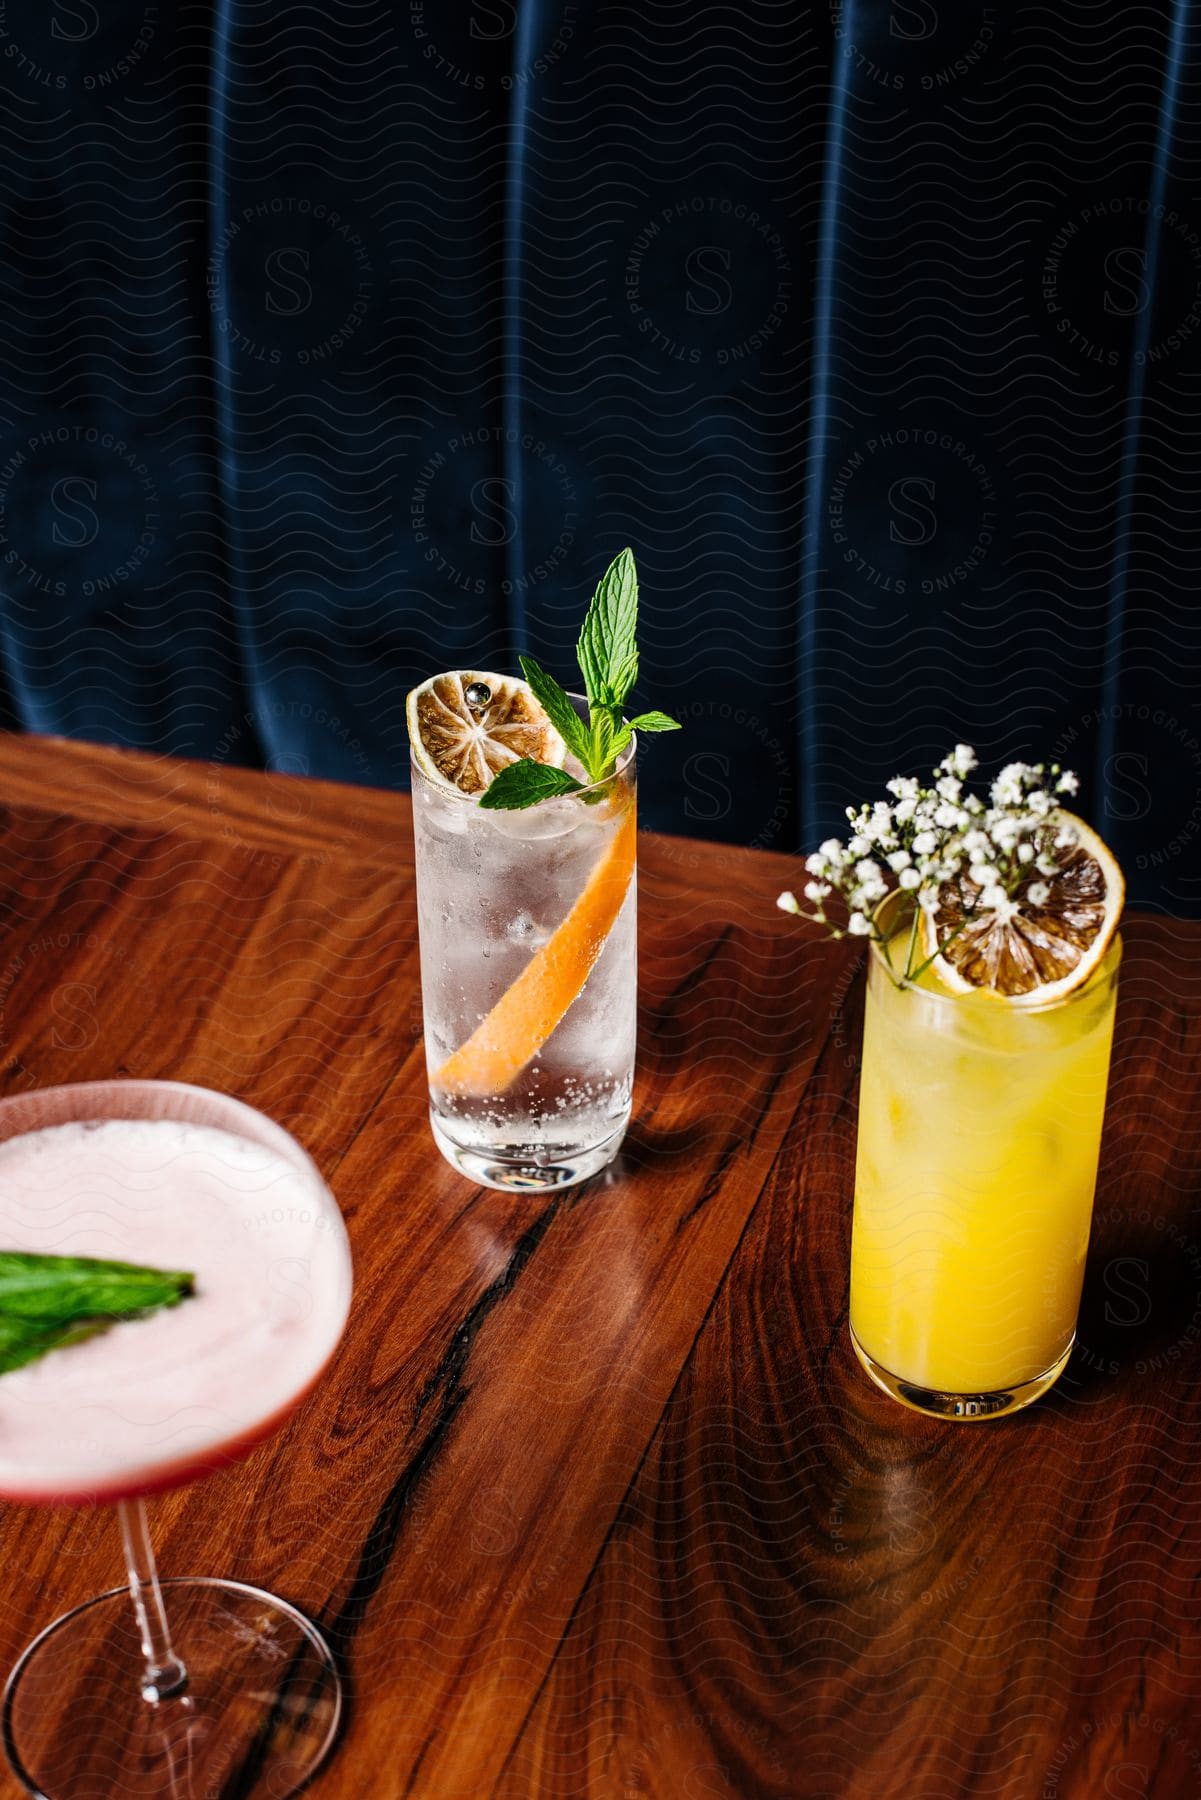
1035,950
468,724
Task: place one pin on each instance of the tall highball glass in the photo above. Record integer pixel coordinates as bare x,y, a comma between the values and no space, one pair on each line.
979,1134
528,934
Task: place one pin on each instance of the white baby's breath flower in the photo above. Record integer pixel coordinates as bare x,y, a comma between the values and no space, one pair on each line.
904,787
1006,790
865,895
787,902
936,833
881,826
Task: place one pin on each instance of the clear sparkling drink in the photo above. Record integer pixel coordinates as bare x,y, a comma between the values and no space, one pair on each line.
527,922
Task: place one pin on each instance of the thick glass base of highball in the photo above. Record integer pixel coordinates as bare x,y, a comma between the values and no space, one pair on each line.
254,1715
968,1408
527,1168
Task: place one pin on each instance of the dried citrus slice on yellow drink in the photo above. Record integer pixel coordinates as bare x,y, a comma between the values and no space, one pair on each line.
467,724
511,1035
1047,946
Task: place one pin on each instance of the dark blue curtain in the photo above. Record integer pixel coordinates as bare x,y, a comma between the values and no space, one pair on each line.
345,342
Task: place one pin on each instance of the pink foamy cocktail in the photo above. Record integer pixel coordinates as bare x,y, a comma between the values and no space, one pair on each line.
154,1402
235,1685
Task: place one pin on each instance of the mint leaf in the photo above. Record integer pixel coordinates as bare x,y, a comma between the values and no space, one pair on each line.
557,706
654,721
523,784
608,648
605,728
620,741
49,1301
23,1342
58,1289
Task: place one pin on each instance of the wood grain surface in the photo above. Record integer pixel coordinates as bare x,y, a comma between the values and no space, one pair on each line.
595,1501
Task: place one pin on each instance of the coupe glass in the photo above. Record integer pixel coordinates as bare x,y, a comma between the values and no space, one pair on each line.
195,1686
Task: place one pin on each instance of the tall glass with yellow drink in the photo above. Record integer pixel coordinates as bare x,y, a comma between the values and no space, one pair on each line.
993,965
979,1130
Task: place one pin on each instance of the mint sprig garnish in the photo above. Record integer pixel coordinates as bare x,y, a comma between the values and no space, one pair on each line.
607,653
47,1302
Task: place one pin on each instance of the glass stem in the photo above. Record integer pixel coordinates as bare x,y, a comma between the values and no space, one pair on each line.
164,1674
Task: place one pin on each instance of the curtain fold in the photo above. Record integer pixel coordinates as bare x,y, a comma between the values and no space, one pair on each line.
350,342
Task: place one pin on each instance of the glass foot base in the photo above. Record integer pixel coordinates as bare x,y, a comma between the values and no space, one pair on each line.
968,1407
522,1169
255,1717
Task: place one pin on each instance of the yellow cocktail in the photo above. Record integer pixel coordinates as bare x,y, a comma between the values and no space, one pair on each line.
979,1130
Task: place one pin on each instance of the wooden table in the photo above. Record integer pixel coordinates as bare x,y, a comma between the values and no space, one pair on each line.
595,1501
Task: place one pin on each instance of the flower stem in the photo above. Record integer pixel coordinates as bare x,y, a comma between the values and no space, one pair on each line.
912,942
939,950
